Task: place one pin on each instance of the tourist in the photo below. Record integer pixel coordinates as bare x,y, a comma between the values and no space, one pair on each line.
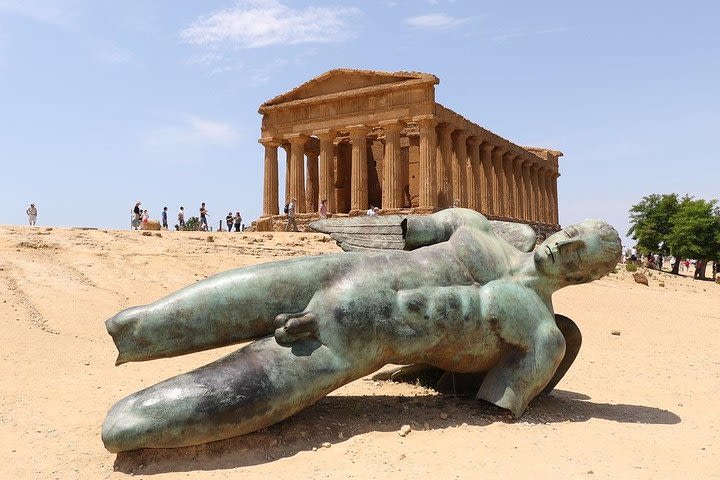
32,214
229,220
203,218
136,214
145,216
181,218
291,216
372,211
323,209
237,221
164,218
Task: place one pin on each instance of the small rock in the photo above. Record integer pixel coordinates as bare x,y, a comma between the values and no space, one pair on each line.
314,449
404,430
640,277
590,472
210,239
661,284
444,416
615,332
326,445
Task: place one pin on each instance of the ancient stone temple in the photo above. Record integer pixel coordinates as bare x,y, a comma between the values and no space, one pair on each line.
360,138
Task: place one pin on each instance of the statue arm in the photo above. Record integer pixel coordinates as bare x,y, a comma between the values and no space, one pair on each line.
423,230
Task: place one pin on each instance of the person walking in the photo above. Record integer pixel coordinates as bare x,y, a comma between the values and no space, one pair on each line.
203,218
181,218
323,209
238,221
229,220
32,214
291,216
164,218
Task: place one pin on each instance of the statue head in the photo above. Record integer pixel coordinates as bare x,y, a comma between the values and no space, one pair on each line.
579,253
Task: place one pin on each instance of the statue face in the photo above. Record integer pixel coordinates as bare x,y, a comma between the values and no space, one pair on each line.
573,254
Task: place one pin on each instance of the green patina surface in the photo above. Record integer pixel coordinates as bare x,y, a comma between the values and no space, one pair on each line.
459,299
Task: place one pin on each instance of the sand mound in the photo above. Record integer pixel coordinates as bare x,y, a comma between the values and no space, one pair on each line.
637,405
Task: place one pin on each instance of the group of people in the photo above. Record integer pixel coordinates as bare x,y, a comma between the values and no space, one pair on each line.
140,216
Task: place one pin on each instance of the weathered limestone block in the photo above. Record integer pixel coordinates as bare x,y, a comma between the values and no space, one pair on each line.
640,277
150,225
264,224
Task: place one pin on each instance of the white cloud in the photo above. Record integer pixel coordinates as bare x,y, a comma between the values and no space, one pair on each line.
253,24
434,20
37,10
184,140
528,33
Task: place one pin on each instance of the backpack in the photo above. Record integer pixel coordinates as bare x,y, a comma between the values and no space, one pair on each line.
287,205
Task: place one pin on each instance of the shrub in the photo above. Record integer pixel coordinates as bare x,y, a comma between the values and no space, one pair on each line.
631,267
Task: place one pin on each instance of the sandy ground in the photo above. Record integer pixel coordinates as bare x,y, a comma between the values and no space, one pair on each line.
639,402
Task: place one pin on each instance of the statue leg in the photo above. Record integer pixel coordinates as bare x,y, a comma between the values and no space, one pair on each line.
227,308
522,373
258,385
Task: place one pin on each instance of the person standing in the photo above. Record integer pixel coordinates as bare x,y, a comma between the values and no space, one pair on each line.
203,218
135,224
181,218
238,221
229,220
164,218
32,214
291,216
323,209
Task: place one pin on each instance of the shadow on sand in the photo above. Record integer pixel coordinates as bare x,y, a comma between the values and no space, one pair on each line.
336,418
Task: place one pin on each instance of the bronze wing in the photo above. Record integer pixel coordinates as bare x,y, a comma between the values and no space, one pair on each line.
390,232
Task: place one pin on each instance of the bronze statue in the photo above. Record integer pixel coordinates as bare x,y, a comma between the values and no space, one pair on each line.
451,294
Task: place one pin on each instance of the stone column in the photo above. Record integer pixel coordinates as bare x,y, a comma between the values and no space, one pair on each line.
498,182
428,144
270,179
487,205
542,192
526,190
548,192
311,183
286,147
444,166
537,207
392,174
459,167
474,176
550,201
359,170
297,170
556,217
518,193
326,182
509,171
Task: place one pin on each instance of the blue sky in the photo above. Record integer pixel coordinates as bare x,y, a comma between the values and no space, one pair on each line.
103,103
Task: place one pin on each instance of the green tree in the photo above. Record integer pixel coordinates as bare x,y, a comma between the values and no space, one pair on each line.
695,231
192,223
650,222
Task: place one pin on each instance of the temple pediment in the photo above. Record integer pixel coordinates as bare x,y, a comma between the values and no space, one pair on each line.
346,80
